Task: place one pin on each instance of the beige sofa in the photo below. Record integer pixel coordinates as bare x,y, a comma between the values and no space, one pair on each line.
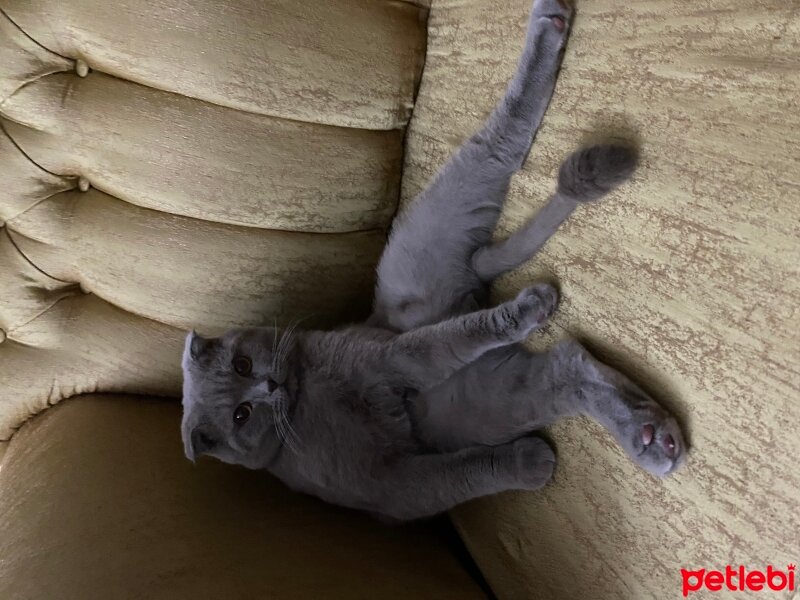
169,164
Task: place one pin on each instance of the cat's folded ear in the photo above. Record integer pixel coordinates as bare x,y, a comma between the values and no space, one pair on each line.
197,344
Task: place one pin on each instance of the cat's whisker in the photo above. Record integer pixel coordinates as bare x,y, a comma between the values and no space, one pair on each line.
288,442
284,436
281,435
288,426
284,345
278,429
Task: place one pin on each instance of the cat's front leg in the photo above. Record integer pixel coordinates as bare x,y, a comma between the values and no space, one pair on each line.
427,356
422,486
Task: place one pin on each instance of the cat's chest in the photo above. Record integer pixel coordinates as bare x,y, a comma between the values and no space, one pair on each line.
353,416
337,402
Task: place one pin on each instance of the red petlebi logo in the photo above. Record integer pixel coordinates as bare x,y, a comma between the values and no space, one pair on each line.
740,579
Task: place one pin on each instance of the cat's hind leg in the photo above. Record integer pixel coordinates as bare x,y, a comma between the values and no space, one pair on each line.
425,274
425,485
587,175
510,392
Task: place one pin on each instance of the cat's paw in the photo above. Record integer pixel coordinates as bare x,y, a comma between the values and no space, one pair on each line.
648,433
536,305
552,15
656,443
534,462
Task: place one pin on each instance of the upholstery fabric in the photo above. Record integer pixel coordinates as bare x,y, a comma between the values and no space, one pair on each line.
687,279
97,501
340,62
171,164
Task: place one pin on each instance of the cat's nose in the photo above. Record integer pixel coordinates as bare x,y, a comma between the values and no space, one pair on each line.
201,442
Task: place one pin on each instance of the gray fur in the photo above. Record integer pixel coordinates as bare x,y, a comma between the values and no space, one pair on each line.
432,401
591,173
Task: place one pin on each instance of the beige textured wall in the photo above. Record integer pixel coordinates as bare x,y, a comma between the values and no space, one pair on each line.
687,278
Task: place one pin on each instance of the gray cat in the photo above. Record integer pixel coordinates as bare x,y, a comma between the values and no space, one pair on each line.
432,401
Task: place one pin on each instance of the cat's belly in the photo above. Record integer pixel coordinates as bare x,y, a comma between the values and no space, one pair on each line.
345,459
348,478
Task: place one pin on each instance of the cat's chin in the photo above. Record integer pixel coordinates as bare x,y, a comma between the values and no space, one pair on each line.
233,460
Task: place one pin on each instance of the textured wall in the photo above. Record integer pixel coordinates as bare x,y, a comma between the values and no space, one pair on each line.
687,278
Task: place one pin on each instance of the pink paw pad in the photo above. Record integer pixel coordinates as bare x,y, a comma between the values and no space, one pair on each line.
648,433
559,23
668,442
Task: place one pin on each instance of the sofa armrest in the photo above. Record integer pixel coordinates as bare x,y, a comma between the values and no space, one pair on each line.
98,501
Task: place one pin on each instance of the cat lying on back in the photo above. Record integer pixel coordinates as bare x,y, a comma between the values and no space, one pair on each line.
432,401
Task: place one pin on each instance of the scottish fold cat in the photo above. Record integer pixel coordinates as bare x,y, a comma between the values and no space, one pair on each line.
433,401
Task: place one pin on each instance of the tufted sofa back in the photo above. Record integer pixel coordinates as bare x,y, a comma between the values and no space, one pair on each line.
239,169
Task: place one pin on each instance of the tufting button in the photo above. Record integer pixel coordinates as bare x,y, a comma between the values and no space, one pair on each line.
2,336
83,184
81,68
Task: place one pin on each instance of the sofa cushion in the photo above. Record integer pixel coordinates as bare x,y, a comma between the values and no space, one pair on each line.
98,501
169,165
345,62
686,278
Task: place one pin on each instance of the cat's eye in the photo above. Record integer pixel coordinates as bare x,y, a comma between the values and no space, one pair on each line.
242,365
242,413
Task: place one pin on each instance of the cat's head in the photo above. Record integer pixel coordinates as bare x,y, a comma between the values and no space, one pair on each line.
235,397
